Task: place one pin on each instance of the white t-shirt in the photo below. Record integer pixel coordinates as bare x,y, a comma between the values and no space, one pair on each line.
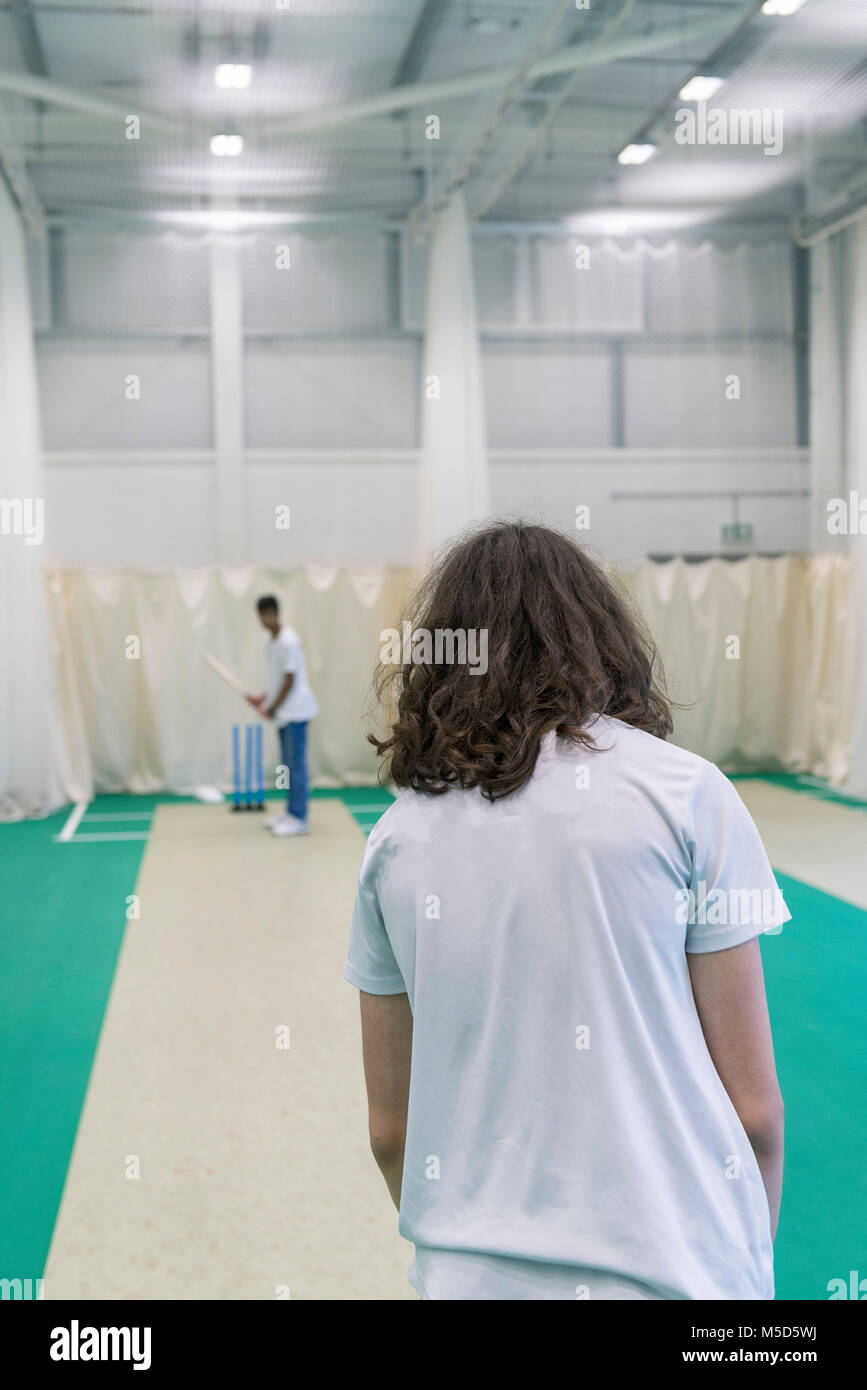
564,1111
285,653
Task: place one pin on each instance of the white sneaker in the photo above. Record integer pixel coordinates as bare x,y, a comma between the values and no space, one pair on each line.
274,820
290,825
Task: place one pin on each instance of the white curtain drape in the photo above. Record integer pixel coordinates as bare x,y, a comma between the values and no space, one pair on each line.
780,695
158,718
161,719
827,386
838,426
856,441
453,483
41,765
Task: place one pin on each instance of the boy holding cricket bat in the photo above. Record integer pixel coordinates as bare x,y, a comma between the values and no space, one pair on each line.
290,702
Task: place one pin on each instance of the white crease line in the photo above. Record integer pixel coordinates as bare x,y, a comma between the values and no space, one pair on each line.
72,822
110,835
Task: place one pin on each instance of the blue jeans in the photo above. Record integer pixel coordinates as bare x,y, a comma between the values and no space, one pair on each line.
293,752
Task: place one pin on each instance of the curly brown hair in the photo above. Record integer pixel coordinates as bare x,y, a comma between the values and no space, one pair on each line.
563,643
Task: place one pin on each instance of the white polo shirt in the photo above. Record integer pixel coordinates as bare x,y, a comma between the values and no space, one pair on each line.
285,653
568,1135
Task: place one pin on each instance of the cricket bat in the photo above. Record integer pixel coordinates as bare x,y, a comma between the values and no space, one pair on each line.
224,673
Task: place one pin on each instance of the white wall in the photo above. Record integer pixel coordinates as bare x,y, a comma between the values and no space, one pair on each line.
614,378
359,507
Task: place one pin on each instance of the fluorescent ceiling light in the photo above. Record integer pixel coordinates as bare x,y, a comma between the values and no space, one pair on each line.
227,219
700,88
633,221
227,145
486,24
636,154
234,75
782,7
618,226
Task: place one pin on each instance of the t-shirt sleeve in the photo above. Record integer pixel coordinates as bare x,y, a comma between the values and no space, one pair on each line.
371,964
289,656
734,895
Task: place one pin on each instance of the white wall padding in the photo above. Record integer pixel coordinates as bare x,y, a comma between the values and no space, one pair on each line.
315,283
684,395
135,283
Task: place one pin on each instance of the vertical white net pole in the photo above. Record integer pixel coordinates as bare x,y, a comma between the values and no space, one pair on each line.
32,757
454,488
856,440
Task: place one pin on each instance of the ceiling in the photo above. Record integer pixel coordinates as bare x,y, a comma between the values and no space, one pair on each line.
534,99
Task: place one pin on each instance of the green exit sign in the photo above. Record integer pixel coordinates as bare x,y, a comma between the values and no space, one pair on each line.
737,533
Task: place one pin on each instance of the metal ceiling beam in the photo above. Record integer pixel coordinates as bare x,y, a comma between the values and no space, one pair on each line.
809,229
398,99
421,41
28,38
13,171
599,44
12,158
428,93
77,99
59,135
510,93
743,19
201,219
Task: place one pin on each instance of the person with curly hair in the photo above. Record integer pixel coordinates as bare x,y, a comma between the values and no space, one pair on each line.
569,1066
